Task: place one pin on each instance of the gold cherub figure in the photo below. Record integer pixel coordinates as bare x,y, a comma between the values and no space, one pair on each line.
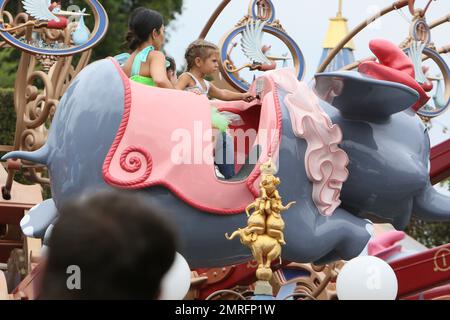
265,226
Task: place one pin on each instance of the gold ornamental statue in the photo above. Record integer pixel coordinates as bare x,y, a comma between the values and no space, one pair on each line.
264,234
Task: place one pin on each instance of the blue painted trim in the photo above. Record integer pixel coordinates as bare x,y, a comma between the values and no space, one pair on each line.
255,15
414,32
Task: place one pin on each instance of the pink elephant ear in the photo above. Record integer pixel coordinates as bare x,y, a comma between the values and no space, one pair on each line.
394,66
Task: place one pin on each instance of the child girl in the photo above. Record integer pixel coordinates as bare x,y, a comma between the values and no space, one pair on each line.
147,64
171,68
202,59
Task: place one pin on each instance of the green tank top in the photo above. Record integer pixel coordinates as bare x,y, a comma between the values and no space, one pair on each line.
140,58
144,80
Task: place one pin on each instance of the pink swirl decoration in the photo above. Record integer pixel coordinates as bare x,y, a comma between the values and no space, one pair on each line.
134,163
325,162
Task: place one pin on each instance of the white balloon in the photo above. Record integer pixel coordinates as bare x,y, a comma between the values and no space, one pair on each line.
367,278
177,281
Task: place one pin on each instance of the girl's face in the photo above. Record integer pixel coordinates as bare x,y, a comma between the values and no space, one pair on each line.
210,65
159,38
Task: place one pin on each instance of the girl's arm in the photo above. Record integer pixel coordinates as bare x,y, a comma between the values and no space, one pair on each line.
158,70
183,82
227,95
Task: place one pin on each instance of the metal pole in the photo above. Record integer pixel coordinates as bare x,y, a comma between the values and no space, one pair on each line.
213,18
340,9
440,21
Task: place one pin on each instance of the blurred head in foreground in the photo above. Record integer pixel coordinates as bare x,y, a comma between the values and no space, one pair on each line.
111,245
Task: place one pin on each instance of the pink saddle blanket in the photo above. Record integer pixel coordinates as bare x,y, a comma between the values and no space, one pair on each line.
165,139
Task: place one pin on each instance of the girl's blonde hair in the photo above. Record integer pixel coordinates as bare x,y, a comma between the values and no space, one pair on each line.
199,49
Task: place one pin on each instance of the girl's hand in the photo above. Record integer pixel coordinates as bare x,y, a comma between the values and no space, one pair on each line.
248,97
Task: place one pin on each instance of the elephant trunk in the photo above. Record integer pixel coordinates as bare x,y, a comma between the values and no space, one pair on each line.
40,156
234,235
432,205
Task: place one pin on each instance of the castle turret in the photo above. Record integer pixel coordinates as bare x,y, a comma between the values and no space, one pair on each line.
337,30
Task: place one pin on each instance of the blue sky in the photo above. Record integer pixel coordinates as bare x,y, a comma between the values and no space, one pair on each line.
307,23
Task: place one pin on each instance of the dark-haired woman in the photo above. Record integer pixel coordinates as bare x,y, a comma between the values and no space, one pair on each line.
147,64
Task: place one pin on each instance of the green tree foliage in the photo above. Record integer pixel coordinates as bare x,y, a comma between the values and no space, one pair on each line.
118,12
7,117
429,234
447,183
9,62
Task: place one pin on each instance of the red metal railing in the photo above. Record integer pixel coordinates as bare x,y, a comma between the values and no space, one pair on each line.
422,271
440,162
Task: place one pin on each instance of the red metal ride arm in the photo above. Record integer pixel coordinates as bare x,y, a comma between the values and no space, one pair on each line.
411,271
440,162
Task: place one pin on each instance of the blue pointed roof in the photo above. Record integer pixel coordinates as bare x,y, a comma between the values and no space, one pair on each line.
337,30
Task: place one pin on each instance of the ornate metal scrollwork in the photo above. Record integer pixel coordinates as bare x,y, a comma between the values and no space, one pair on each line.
46,69
420,48
250,31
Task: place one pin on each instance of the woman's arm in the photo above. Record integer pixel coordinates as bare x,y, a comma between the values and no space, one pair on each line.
158,70
227,95
183,82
